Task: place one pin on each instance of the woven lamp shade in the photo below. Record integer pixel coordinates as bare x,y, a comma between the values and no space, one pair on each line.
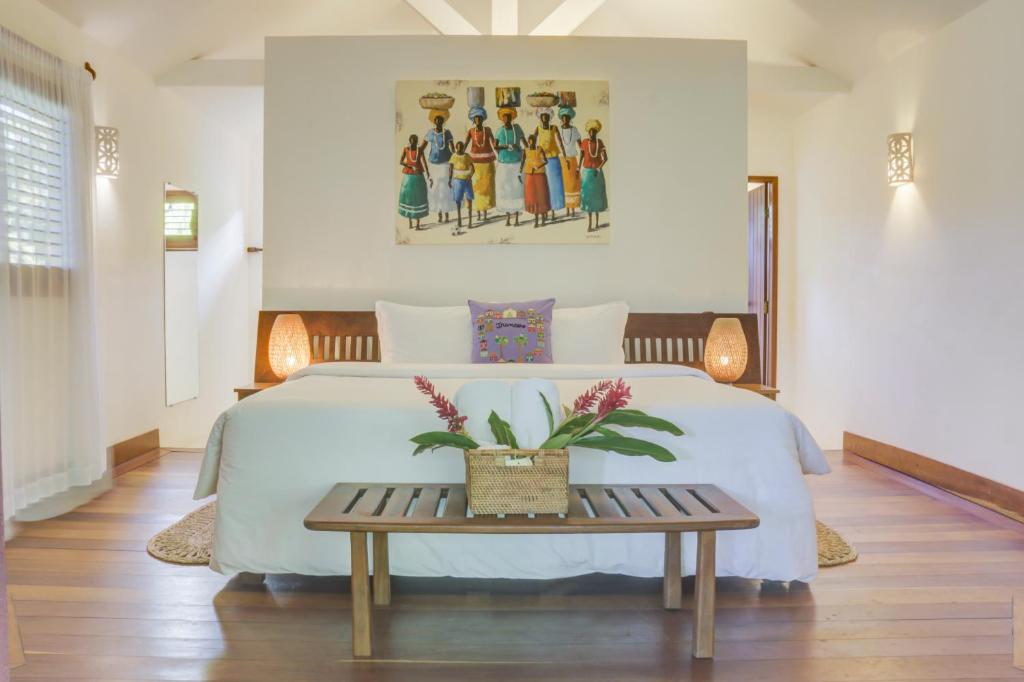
289,345
725,352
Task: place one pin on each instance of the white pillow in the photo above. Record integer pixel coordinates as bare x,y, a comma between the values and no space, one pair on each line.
591,335
410,333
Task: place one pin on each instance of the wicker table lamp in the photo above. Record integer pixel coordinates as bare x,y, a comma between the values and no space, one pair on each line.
289,345
725,353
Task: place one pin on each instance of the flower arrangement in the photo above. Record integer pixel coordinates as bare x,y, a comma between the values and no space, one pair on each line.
585,424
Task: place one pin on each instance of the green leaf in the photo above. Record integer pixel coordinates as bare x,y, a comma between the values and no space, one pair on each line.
624,445
551,416
432,440
573,424
502,431
423,448
556,442
606,432
638,419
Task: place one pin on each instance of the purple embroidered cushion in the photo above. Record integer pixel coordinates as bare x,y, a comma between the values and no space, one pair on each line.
511,332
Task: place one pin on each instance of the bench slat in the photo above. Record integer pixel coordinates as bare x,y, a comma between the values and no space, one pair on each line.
455,507
656,498
602,505
718,499
371,501
399,502
690,503
334,503
426,505
577,509
634,507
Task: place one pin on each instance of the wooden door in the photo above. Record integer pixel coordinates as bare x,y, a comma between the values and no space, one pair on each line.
762,225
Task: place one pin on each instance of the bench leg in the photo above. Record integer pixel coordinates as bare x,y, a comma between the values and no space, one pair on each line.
704,600
362,610
381,570
672,587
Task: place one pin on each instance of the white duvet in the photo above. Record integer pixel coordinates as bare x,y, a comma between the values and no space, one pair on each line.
271,457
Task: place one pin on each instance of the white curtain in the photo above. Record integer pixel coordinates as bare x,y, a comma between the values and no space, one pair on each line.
50,428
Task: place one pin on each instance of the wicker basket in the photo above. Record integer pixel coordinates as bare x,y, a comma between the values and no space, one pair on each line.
437,102
517,481
542,101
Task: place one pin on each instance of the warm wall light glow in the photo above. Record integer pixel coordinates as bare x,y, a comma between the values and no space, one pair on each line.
901,159
289,345
108,158
725,352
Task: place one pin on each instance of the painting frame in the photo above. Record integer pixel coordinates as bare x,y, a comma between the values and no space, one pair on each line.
502,162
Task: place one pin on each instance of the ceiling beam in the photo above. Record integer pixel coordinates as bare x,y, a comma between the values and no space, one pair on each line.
445,18
215,73
776,78
504,17
566,18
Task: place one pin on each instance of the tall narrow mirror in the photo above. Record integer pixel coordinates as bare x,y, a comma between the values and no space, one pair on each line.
181,294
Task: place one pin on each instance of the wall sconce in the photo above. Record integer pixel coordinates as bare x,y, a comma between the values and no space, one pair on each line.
108,158
289,345
725,351
901,159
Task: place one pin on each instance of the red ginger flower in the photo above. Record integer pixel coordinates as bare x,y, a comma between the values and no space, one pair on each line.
445,409
615,398
589,398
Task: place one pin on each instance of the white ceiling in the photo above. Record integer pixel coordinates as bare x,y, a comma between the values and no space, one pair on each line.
847,37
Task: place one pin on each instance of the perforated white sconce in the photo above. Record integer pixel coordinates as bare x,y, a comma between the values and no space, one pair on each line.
901,159
108,160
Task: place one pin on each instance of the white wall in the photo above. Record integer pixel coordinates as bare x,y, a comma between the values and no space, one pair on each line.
163,138
910,315
678,109
181,326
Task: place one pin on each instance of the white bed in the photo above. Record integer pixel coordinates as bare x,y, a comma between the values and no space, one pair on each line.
271,457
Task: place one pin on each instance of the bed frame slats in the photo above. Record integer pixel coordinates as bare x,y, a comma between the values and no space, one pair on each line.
674,338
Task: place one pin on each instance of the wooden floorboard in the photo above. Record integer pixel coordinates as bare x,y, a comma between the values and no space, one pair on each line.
929,599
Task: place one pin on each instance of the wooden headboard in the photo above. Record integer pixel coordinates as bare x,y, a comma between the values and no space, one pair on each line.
674,338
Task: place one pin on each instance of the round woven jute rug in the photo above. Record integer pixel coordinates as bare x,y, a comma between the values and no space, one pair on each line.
188,541
833,550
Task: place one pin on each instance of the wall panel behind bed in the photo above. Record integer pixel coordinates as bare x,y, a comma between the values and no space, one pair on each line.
678,108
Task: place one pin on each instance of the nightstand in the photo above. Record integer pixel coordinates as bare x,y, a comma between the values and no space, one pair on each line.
246,391
766,391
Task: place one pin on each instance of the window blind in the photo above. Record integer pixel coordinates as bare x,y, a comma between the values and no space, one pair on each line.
181,221
33,170
178,219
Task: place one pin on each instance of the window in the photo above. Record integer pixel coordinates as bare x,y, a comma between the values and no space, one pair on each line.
181,220
33,168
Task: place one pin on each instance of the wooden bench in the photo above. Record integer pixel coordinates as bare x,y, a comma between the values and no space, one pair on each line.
381,508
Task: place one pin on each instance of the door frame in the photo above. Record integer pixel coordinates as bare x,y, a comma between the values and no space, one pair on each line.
772,182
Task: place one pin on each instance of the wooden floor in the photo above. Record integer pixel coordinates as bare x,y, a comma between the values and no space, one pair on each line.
929,599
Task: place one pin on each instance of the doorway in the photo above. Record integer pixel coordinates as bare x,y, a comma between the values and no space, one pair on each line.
763,265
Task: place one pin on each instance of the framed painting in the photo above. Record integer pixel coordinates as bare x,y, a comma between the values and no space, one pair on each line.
502,162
